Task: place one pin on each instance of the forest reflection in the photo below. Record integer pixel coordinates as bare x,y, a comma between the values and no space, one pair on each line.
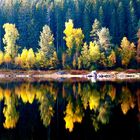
79,97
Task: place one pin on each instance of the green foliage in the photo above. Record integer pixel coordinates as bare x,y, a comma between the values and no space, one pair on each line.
120,17
46,56
85,58
100,53
54,61
108,56
138,47
95,28
104,38
46,42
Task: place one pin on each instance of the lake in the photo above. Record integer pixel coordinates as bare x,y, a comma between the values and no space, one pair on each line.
70,110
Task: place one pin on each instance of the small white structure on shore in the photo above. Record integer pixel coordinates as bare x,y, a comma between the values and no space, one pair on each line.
93,74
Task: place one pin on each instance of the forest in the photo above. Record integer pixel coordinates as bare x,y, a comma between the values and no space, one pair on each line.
69,34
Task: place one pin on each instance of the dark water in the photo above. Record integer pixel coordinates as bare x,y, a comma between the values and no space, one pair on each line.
70,110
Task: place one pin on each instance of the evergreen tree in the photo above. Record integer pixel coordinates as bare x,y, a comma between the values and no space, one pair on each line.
114,27
132,22
138,47
106,47
121,21
104,38
95,28
46,42
86,22
24,18
85,59
101,16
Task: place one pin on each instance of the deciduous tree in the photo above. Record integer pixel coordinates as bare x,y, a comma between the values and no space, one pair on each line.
127,51
10,38
1,57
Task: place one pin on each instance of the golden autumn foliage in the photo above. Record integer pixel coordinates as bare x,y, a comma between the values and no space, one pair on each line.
127,51
9,40
73,36
1,94
112,92
26,92
40,60
54,61
18,60
27,58
94,100
1,57
72,116
30,58
9,110
83,97
127,100
94,51
111,59
23,58
7,58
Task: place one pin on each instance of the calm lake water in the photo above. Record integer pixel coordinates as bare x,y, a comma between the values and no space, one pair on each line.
70,110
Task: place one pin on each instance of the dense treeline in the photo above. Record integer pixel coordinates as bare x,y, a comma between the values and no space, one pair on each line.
101,34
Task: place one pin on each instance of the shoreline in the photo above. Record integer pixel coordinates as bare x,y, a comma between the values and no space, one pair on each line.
74,75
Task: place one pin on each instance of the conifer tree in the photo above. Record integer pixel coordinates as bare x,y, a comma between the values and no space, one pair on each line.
138,47
132,22
104,38
95,28
101,16
86,22
46,42
85,59
121,21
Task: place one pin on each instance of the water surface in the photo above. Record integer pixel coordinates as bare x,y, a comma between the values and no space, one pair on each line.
70,110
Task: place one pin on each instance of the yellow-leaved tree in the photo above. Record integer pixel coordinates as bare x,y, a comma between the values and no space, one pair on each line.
1,57
74,41
7,59
127,51
27,59
30,58
10,113
94,53
23,58
72,115
10,37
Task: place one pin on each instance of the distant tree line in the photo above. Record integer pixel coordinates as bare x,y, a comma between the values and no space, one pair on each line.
76,34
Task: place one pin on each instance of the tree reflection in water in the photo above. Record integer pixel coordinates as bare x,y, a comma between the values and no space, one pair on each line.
98,98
